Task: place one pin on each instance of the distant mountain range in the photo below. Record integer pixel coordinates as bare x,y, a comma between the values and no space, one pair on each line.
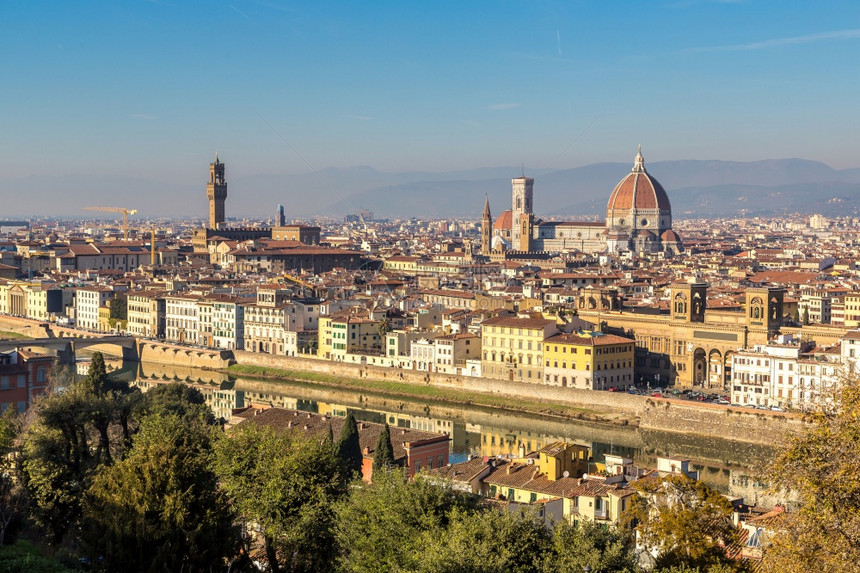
696,188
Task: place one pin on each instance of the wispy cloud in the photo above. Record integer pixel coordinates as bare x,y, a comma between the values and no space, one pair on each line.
245,16
780,42
496,106
143,116
358,117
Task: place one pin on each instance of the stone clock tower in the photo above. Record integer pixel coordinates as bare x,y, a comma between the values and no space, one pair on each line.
216,191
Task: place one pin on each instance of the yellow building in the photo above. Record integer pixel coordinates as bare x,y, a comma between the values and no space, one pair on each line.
324,344
538,476
589,361
597,500
342,333
852,310
146,314
512,347
691,345
401,263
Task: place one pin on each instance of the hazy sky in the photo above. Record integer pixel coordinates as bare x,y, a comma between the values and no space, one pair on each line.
155,88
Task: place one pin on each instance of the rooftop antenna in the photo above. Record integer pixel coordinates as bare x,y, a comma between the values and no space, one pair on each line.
523,169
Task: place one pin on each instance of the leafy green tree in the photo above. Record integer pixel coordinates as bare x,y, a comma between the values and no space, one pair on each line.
176,399
385,526
383,456
58,460
383,327
71,437
349,447
119,307
486,541
287,484
160,509
604,549
820,465
13,498
96,380
684,520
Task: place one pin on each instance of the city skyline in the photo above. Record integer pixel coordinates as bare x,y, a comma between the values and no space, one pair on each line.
152,90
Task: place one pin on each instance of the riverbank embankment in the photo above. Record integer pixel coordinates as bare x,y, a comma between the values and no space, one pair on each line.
671,415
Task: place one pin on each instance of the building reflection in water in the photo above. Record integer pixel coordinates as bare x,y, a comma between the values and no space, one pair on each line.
724,465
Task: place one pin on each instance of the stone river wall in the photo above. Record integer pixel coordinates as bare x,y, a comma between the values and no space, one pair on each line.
712,420
185,356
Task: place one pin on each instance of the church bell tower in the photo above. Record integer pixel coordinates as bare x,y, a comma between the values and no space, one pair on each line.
216,191
486,230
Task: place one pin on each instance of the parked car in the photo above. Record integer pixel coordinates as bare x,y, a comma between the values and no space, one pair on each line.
657,394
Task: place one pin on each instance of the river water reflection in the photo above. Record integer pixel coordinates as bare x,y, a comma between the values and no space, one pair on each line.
731,467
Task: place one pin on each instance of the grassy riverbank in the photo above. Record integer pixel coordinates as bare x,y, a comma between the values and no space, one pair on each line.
431,394
9,335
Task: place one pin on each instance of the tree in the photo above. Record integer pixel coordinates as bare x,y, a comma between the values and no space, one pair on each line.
119,307
486,540
178,399
71,437
820,466
349,447
13,498
385,526
683,520
383,456
287,484
383,327
604,549
160,508
806,315
96,380
58,460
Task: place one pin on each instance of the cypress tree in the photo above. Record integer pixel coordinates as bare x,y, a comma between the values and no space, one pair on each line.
329,438
96,380
348,446
383,457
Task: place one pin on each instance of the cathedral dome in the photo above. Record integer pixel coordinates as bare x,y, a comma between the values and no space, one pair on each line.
505,221
638,190
670,236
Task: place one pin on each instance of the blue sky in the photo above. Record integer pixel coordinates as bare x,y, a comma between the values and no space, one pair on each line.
143,88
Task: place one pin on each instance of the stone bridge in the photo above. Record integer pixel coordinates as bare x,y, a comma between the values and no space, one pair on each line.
66,347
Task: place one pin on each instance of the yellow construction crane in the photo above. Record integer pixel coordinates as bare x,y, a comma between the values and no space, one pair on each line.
125,213
305,285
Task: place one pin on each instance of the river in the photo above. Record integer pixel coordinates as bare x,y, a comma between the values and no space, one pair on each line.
731,467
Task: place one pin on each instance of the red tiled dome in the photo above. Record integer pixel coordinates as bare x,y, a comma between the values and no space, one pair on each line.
638,190
505,221
670,236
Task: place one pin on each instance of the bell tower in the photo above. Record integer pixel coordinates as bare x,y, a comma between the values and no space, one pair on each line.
688,301
216,191
486,230
522,190
764,307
